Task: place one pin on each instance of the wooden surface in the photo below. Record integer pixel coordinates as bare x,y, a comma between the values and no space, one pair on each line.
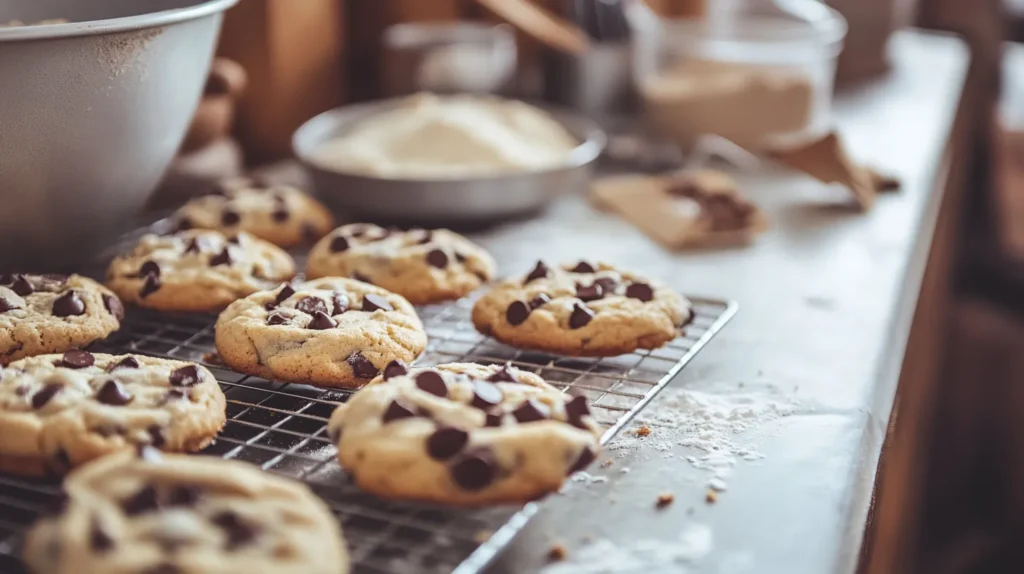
826,301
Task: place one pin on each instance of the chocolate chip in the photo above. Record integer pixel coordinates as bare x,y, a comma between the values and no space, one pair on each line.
285,292
156,436
432,382
493,419
44,395
186,376
641,291
141,502
361,366
234,240
373,302
149,268
438,258
360,277
321,321
150,286
68,305
6,305
230,217
222,258
446,442
311,305
531,410
148,454
589,292
583,267
237,531
427,237
99,540
339,244
583,461
485,395
197,245
540,271
112,393
21,286
20,390
183,224
517,313
77,359
280,215
608,284
172,395
183,496
460,257
341,303
395,368
503,375
125,363
397,411
276,319
475,470
114,307
539,301
576,409
163,568
581,316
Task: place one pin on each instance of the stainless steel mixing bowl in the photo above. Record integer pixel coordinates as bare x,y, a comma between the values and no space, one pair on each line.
91,114
442,202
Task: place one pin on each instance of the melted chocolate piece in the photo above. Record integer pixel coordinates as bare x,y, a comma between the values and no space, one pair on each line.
280,215
68,305
6,305
517,313
395,368
589,292
156,436
641,291
141,502
20,285
321,321
446,442
172,395
197,245
77,359
112,393
311,305
151,285
361,366
531,410
113,306
460,257
432,382
493,419
276,319
539,301
539,271
186,376
503,375
339,244
397,411
125,363
576,409
475,470
285,292
99,540
437,258
45,394
373,302
237,531
583,461
163,568
186,496
149,268
580,317
222,258
341,303
230,217
583,267
485,395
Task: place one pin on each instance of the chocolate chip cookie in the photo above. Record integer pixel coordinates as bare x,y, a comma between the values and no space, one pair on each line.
422,265
280,214
53,313
149,513
197,270
582,309
463,434
333,332
59,411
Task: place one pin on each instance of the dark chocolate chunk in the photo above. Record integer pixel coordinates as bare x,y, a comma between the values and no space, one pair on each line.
437,258
540,271
432,382
360,277
150,286
285,292
149,268
531,410
276,319
99,540
583,267
395,368
125,363
339,244
460,257
183,496
230,217
68,305
44,394
222,258
373,302
112,393
197,245
156,436
539,301
186,376
321,321
341,303
141,502
172,395
503,375
234,240
517,313
77,359
396,411
280,215
641,291
583,461
237,531
580,317
114,306
485,395
21,285
576,409
6,305
493,419
361,366
475,470
446,442
427,237
311,305
591,292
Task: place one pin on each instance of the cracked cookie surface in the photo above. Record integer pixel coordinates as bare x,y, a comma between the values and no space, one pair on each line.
172,514
332,332
59,411
582,309
53,313
197,270
422,265
463,434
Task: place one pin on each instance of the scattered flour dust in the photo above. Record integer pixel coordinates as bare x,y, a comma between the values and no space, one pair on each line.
638,557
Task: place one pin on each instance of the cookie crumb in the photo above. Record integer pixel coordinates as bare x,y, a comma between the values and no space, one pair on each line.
665,499
606,463
482,536
557,553
642,431
711,497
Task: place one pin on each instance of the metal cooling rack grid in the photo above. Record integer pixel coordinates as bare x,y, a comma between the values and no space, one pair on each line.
282,428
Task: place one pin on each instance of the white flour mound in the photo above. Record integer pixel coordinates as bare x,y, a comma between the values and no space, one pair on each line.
638,557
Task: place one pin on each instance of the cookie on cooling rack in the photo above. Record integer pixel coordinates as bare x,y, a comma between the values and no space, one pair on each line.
422,265
332,332
197,270
463,434
280,214
582,309
53,313
59,411
171,514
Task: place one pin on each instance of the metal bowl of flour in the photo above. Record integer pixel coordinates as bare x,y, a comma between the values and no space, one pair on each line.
465,201
91,113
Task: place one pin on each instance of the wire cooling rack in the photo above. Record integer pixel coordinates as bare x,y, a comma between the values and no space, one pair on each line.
282,428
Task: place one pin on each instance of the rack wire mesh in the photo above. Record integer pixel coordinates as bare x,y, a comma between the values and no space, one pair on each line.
281,427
